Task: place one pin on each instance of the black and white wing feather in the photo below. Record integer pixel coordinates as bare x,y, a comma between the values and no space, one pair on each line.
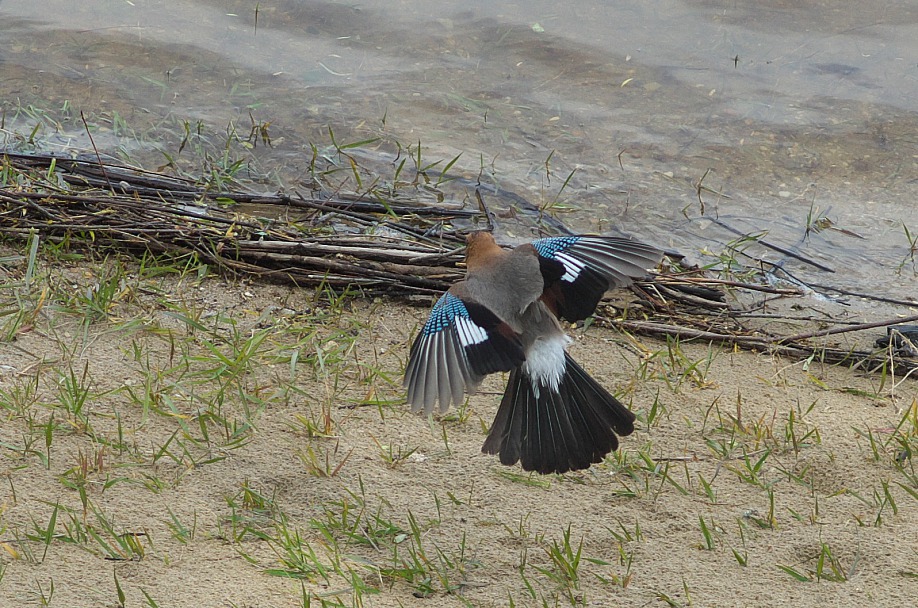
592,266
460,344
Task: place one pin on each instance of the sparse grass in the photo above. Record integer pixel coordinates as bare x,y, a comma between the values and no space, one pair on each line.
823,566
206,381
672,365
151,411
727,263
912,249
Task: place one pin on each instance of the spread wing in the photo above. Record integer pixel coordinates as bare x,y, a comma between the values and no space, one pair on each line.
461,343
588,267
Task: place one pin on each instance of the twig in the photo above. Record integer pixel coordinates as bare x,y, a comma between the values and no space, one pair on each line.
758,343
769,245
841,330
484,209
698,189
866,296
96,150
677,278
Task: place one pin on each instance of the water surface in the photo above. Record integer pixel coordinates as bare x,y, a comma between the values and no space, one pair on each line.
790,113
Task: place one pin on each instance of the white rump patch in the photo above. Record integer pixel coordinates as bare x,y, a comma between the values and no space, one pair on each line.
545,362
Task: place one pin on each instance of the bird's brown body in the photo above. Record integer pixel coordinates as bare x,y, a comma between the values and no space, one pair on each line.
504,316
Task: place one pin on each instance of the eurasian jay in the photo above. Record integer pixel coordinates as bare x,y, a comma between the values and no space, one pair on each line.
504,316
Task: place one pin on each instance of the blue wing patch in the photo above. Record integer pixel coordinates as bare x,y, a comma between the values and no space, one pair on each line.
461,342
548,247
450,311
592,265
555,248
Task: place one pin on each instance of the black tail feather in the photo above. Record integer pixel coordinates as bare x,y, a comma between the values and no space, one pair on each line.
561,431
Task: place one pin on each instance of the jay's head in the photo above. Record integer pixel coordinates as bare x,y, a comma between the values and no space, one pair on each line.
480,247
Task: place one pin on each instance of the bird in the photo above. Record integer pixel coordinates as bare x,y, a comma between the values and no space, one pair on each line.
505,316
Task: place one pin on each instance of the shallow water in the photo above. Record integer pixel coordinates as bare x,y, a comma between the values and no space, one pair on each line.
794,113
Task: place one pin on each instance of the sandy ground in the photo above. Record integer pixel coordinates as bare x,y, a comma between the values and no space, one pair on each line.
187,480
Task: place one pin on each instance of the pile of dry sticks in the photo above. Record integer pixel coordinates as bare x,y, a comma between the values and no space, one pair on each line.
377,246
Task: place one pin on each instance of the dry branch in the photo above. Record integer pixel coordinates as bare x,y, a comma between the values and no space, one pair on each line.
380,243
